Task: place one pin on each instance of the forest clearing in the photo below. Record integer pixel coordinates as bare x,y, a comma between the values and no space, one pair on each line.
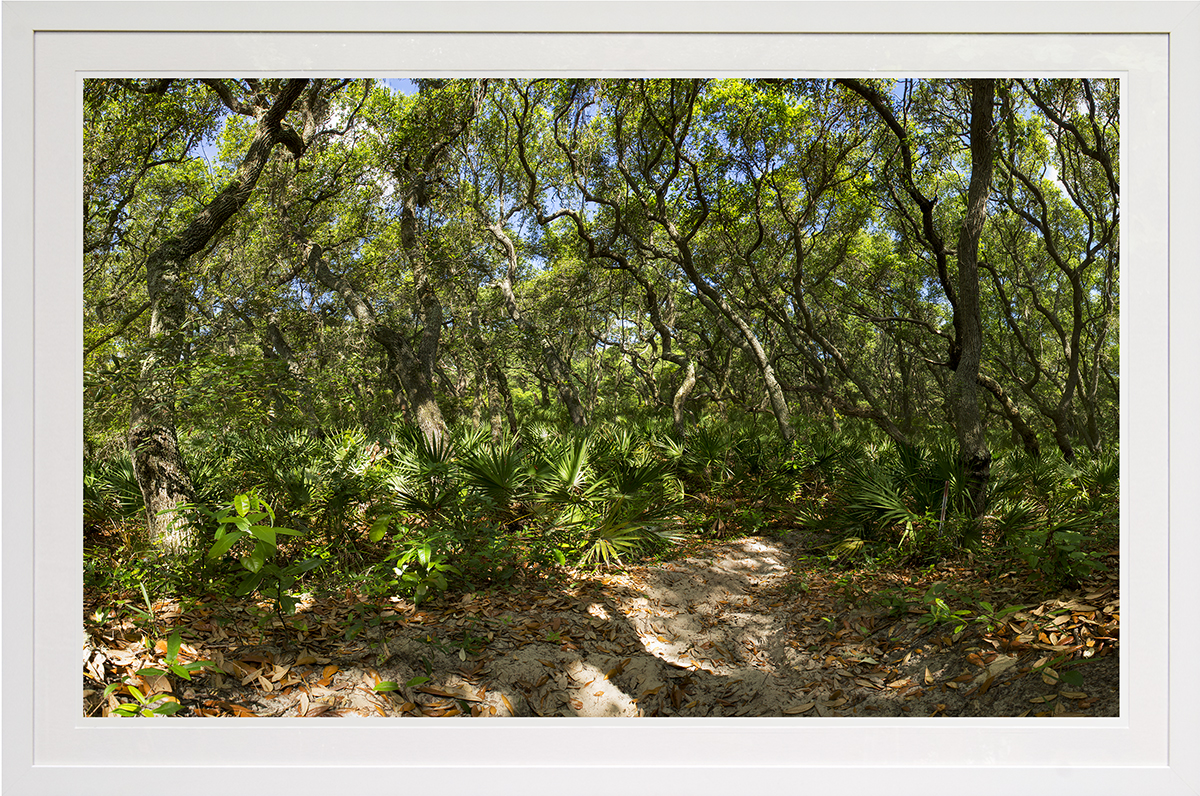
601,397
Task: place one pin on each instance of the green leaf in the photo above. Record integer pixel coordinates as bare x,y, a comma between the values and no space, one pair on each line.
305,566
173,643
258,556
248,585
168,709
264,533
151,671
181,670
379,528
225,542
416,681
1071,677
386,685
242,504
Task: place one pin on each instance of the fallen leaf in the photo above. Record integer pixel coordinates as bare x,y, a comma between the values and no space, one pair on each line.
616,670
1001,664
452,692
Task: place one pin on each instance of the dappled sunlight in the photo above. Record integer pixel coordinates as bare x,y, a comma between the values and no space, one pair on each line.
600,397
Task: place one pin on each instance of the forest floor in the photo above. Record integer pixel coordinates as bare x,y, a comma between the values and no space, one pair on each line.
736,627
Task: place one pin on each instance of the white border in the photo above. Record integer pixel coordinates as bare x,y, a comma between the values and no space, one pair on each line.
1150,749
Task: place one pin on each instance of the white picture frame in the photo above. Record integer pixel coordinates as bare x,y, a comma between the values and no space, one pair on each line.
48,747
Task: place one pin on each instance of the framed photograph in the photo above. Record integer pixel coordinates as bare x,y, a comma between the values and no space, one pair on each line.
1148,51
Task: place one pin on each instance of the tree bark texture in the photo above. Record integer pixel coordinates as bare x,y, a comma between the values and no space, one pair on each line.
153,441
681,396
973,450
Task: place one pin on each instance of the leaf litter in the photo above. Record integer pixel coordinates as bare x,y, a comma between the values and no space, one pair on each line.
733,629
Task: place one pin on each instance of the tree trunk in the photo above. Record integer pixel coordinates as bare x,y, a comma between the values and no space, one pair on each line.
1012,413
152,440
742,336
964,399
284,351
411,369
681,396
559,370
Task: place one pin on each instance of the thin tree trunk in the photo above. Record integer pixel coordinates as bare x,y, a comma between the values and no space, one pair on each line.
681,396
1012,413
284,351
559,370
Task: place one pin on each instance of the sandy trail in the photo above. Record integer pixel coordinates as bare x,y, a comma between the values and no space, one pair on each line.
723,632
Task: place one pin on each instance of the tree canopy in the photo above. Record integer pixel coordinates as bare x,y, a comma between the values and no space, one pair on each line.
927,258
349,343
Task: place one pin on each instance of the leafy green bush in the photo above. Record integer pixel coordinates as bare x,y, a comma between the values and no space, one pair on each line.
240,525
111,493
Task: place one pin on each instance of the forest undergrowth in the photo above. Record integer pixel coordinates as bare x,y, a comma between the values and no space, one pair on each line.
612,572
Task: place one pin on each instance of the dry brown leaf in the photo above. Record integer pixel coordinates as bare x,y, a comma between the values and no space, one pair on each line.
452,692
157,684
616,670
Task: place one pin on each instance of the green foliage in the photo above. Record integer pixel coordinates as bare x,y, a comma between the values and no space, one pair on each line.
787,232
422,566
142,706
500,473
174,666
1053,515
110,492
240,525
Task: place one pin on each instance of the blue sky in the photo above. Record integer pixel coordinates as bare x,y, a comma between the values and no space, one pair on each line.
402,85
